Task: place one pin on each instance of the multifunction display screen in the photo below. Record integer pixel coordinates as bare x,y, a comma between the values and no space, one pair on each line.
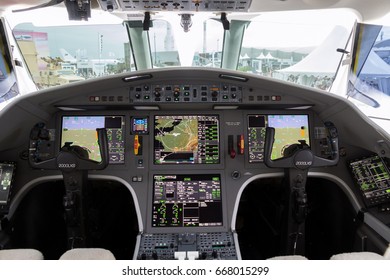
373,178
81,131
186,139
187,201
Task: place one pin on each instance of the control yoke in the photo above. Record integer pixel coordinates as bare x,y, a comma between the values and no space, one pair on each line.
297,160
299,155
74,163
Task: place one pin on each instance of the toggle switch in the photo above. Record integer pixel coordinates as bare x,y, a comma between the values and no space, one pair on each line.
231,150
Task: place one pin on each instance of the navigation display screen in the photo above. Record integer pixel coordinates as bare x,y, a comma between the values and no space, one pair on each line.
81,131
187,201
186,140
288,130
373,178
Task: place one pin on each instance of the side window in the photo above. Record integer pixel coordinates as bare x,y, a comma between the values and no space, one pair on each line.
369,79
8,83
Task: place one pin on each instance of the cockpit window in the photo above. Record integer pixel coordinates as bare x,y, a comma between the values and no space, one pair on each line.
198,44
58,55
369,78
163,45
299,47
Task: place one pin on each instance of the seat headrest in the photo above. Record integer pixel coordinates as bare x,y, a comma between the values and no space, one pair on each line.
357,256
87,254
20,254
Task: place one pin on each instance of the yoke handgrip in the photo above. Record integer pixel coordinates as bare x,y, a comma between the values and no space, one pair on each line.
87,164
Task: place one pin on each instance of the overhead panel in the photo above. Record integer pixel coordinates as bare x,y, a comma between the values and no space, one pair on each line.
185,5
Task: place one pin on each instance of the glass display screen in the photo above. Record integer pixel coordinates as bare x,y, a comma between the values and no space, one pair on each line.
373,178
186,139
139,125
288,130
187,201
81,131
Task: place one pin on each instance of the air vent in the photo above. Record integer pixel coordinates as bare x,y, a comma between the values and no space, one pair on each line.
183,5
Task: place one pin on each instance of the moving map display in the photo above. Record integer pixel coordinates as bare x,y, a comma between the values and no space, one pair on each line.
81,131
186,139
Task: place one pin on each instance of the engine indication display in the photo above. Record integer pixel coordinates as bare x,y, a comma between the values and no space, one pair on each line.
256,136
186,139
187,201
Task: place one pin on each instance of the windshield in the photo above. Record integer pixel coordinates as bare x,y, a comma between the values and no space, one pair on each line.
268,44
303,47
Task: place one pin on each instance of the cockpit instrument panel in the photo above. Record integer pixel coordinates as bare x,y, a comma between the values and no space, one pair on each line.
373,178
81,131
186,139
187,201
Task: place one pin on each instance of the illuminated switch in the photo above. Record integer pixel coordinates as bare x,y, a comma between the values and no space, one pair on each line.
240,144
